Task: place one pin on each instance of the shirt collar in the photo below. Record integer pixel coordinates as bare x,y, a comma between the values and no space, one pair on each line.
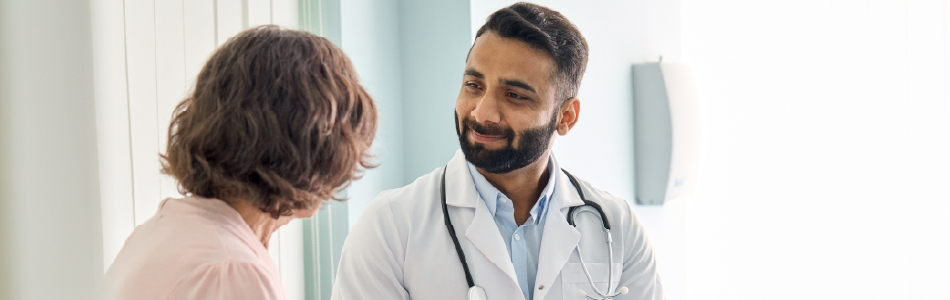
490,194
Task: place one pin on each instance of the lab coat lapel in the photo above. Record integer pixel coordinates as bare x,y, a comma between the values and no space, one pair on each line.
559,238
482,231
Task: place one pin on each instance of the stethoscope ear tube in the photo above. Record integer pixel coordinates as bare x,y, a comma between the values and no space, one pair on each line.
580,192
455,239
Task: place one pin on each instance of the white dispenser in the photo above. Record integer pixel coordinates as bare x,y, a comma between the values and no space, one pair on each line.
666,131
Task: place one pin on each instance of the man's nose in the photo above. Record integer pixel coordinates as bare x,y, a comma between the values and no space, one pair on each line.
486,110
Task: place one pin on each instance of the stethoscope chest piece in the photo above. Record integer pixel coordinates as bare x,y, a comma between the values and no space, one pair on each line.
477,293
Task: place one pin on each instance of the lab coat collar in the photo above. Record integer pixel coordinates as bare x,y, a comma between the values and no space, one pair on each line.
460,192
564,191
460,180
459,185
490,194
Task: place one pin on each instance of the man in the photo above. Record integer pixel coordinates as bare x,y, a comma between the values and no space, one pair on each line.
504,194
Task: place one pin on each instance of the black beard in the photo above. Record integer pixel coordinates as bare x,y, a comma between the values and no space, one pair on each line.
533,143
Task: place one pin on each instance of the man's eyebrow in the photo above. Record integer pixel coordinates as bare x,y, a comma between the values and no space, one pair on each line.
517,83
472,72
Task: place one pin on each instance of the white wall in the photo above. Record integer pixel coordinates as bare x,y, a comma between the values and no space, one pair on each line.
50,234
146,57
825,128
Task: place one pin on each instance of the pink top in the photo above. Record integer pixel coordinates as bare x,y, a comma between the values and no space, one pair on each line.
193,248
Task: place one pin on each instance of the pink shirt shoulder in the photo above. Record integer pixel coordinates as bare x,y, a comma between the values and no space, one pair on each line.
193,248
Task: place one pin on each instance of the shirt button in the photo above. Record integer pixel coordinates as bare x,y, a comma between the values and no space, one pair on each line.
517,237
541,287
503,200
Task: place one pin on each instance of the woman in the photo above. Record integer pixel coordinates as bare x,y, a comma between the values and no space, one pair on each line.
277,123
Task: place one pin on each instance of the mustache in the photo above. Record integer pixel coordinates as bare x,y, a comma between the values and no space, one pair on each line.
486,129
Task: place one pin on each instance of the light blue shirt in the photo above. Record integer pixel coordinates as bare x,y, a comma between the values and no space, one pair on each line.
523,242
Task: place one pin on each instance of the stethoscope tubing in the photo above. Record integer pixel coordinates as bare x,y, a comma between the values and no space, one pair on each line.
610,266
610,249
455,239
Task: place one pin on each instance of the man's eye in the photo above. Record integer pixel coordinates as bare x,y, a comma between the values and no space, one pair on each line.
471,85
516,96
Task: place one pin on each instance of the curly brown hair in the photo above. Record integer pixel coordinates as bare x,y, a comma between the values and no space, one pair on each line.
278,118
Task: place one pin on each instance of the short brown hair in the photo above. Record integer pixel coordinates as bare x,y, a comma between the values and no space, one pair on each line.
277,117
547,30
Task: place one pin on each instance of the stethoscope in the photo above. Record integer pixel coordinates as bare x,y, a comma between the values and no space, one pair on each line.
478,293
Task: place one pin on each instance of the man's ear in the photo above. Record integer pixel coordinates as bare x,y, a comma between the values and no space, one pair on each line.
569,112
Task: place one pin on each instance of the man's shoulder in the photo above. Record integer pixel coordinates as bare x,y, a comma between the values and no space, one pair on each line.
615,207
601,196
420,192
394,213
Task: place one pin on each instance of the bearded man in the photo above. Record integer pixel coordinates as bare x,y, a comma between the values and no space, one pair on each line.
501,220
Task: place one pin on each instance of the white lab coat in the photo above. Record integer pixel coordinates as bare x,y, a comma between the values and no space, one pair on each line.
400,247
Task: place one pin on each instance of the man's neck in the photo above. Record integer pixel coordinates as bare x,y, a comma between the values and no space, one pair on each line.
523,186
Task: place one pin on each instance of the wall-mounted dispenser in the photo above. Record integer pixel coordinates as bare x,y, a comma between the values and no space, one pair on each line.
666,131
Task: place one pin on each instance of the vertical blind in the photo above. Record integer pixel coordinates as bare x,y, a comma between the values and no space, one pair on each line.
147,54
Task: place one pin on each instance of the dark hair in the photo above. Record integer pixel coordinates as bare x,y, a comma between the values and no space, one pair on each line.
277,117
548,30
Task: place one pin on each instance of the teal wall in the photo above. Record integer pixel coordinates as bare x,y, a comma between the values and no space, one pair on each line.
409,55
434,39
371,40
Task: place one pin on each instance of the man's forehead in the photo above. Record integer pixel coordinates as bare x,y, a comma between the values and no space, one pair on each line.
507,58
491,46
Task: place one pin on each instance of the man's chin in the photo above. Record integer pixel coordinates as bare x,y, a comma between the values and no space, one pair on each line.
485,148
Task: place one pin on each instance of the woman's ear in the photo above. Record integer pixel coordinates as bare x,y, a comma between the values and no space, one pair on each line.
569,111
